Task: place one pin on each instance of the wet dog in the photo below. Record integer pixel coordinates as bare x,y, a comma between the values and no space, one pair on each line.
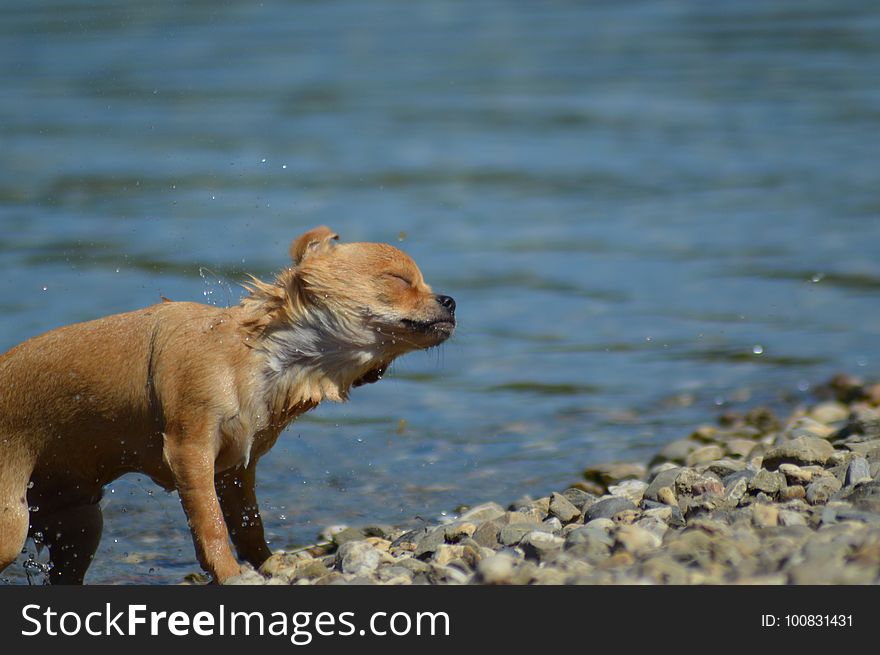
194,395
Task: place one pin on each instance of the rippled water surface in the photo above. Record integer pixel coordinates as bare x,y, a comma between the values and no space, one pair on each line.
645,211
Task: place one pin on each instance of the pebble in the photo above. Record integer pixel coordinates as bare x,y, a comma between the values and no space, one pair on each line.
487,534
358,558
794,474
458,530
632,489
553,524
497,569
579,497
512,534
792,492
829,412
541,545
800,450
608,507
819,491
562,508
637,540
858,471
704,455
691,483
347,534
770,482
664,478
667,496
739,447
764,516
428,542
613,472
747,502
483,512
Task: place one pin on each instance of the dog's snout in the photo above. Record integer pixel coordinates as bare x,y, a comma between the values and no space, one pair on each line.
447,302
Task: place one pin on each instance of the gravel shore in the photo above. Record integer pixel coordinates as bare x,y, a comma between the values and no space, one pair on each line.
751,500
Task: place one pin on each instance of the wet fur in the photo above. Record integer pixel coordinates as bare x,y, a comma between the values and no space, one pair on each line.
193,395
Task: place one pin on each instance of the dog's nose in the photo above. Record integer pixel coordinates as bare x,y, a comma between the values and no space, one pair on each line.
447,302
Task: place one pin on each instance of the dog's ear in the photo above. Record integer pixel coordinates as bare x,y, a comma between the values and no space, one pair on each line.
320,239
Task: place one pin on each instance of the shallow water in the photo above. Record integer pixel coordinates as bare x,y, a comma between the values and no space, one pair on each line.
645,212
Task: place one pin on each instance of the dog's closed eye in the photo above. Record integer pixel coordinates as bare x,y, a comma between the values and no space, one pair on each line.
400,278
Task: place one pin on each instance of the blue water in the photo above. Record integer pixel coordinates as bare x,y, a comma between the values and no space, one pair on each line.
646,211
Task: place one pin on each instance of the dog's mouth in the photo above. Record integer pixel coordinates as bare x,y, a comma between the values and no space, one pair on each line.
439,327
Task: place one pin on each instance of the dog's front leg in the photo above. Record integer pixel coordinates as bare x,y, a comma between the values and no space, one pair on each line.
238,499
190,456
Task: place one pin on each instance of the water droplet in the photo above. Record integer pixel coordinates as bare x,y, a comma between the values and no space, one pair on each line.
263,160
862,361
758,349
803,385
30,484
283,165
817,277
45,288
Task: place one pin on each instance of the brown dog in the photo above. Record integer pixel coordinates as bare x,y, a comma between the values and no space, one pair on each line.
193,395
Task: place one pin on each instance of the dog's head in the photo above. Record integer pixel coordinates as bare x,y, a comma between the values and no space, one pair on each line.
358,306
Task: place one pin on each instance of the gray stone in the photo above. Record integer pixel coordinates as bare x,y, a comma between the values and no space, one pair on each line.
414,565
458,530
382,531
704,455
821,489
637,540
428,543
357,558
608,507
736,488
483,512
563,509
788,518
865,421
801,450
248,576
410,537
632,489
497,569
579,498
540,545
348,534
663,479
724,467
691,483
552,523
807,427
858,471
512,534
589,543
770,482
487,534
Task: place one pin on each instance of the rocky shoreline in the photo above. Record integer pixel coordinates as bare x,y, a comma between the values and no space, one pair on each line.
752,500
